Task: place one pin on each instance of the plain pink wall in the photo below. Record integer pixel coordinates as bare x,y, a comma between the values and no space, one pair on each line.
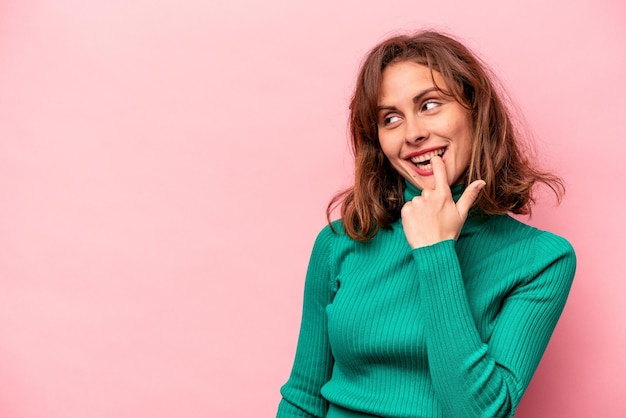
164,168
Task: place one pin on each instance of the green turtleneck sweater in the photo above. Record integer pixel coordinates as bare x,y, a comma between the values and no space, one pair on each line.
455,329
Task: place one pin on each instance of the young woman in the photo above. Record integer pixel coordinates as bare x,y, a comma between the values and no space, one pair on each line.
427,299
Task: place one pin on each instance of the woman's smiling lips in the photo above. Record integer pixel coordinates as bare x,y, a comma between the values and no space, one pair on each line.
421,159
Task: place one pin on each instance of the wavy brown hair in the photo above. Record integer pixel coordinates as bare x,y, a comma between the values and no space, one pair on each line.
499,156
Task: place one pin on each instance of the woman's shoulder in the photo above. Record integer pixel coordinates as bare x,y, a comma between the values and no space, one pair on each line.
518,228
333,239
546,244
328,234
330,230
533,252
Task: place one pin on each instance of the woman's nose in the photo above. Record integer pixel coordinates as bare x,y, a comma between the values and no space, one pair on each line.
415,130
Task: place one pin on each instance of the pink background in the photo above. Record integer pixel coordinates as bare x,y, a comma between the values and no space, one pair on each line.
164,169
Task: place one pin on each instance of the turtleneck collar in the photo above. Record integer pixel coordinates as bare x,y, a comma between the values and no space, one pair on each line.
411,191
474,219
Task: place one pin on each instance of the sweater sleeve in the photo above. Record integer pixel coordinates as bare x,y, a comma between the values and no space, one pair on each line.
313,362
488,378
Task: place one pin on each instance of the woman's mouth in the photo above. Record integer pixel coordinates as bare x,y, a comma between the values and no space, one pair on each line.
422,161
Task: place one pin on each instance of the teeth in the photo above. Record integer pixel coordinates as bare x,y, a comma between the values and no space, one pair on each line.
426,157
428,166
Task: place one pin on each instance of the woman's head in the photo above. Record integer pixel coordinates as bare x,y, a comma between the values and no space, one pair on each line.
495,153
418,119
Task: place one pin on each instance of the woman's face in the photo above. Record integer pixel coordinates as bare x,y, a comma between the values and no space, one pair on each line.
416,122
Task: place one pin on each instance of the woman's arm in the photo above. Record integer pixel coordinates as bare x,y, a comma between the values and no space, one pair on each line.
313,363
488,378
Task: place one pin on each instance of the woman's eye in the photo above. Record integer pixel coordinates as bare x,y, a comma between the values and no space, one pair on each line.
429,105
388,120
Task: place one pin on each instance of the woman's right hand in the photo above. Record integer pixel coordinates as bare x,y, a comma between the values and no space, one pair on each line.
434,216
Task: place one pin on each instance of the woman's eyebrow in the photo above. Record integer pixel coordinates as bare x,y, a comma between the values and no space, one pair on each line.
422,93
415,99
383,107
